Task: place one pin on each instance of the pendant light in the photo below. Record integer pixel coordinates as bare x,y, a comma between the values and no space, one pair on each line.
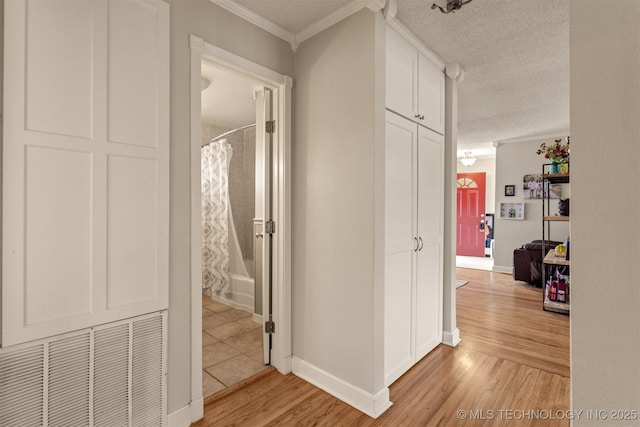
468,160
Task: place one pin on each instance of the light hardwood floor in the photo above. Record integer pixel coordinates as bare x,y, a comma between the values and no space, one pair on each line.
511,367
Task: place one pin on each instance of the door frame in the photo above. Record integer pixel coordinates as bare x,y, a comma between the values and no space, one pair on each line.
281,200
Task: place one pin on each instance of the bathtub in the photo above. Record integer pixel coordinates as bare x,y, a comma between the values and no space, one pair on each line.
241,290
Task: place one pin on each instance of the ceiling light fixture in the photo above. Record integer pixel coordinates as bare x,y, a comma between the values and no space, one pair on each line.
468,160
452,6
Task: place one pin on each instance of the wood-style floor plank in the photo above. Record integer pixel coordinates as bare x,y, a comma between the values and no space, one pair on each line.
513,361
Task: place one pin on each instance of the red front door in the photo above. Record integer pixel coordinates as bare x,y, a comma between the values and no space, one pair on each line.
470,208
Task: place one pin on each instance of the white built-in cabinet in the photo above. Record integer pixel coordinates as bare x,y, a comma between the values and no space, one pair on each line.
414,85
86,164
414,208
414,199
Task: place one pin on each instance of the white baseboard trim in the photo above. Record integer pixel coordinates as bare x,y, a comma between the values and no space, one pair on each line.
186,415
197,410
284,365
257,318
373,405
181,417
501,269
452,339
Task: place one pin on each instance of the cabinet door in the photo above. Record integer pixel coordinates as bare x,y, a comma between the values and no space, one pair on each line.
401,76
428,296
400,143
431,95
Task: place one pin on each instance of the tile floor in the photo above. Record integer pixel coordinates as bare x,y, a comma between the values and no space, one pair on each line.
231,346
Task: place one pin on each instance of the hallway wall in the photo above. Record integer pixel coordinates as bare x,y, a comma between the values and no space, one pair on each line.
221,28
337,281
605,240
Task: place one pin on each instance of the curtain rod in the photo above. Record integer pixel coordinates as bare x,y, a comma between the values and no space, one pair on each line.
228,133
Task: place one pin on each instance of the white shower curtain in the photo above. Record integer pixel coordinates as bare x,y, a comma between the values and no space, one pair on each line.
216,158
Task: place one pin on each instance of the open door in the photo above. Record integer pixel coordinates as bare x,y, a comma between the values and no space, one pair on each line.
264,225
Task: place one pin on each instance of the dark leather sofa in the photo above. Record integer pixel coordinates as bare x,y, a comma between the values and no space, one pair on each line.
527,261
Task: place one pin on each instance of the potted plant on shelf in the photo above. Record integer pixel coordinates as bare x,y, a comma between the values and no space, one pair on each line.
557,153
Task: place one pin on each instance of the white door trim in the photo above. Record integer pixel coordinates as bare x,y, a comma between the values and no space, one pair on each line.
281,197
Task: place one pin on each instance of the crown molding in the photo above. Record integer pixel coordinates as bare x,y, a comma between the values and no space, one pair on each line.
337,16
455,72
375,5
391,10
295,39
257,20
559,134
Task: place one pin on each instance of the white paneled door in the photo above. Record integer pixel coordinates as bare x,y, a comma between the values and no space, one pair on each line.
86,164
414,200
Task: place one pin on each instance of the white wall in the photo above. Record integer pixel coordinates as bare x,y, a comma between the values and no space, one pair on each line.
605,107
489,167
513,161
336,263
227,31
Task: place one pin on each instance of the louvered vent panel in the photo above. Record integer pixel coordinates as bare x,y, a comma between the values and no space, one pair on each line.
69,370
22,387
111,377
147,372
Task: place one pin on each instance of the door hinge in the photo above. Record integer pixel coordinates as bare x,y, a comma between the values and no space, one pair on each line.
269,327
270,227
270,126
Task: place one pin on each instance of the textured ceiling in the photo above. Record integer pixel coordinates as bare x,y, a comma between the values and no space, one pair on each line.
516,59
515,54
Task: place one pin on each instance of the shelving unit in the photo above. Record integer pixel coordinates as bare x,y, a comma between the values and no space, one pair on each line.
556,267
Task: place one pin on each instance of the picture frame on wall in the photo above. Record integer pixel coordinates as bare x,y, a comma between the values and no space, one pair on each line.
509,190
535,187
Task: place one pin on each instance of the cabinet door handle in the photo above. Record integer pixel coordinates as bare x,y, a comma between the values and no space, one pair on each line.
421,117
421,243
417,245
417,116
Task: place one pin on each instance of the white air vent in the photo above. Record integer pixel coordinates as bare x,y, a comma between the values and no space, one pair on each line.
147,374
22,387
69,367
112,375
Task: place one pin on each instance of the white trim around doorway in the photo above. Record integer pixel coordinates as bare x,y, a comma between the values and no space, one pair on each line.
281,197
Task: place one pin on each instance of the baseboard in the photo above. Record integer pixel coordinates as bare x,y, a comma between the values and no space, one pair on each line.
257,318
452,339
284,365
180,418
197,410
186,415
501,269
373,405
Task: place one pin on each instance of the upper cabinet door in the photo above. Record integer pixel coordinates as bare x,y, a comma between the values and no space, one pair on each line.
414,85
431,95
401,76
86,164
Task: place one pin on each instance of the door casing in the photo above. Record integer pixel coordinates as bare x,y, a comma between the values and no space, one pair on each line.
281,86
